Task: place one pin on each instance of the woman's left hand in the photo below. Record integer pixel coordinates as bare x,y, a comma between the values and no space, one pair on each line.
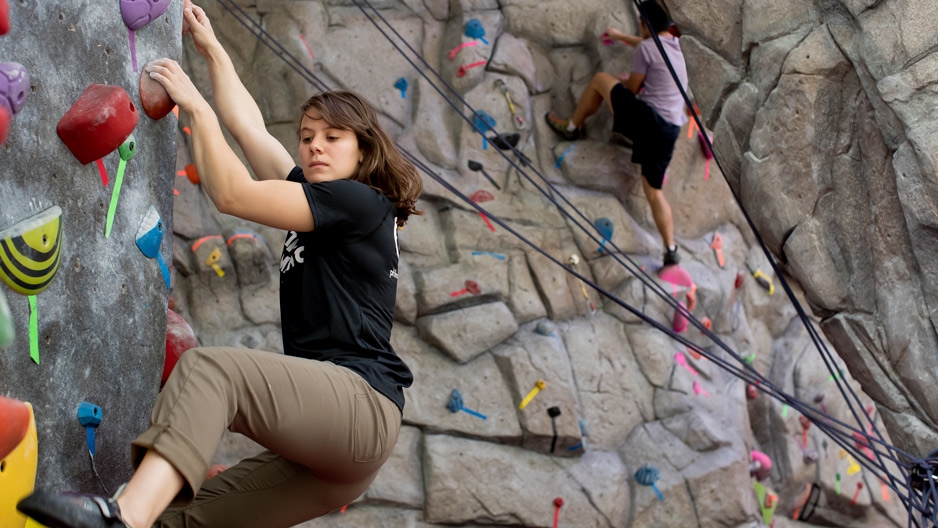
180,88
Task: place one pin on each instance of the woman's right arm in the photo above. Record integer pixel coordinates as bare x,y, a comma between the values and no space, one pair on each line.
236,108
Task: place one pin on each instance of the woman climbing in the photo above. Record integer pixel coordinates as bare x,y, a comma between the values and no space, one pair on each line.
648,109
328,411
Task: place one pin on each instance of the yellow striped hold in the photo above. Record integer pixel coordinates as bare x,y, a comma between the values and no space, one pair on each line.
30,252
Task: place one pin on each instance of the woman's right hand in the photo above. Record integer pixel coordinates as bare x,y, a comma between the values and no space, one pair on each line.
203,36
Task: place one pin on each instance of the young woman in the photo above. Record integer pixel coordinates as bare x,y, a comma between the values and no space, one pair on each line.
328,411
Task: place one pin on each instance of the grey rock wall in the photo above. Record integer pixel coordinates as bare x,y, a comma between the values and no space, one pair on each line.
828,108
101,321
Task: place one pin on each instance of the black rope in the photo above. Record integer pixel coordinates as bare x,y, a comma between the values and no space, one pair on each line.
762,384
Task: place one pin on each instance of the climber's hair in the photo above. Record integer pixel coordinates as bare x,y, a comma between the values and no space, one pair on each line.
382,167
657,16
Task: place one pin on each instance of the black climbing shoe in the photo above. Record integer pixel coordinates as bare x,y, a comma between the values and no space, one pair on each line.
559,126
72,510
671,257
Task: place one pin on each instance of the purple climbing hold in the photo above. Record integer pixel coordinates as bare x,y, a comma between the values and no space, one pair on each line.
14,86
138,13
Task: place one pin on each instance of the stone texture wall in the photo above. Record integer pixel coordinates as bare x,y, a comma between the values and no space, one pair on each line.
824,114
625,401
101,322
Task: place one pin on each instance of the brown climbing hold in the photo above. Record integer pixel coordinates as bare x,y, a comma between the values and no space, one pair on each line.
155,100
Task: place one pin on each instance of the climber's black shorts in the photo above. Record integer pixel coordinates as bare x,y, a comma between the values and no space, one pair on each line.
652,137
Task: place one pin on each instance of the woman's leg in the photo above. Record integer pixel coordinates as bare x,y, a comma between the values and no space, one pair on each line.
266,490
598,90
318,415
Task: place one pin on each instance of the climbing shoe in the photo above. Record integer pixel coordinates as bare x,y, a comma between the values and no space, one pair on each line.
559,125
671,257
72,510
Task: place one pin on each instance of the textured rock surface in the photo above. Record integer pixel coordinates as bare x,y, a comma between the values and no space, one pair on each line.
821,115
101,322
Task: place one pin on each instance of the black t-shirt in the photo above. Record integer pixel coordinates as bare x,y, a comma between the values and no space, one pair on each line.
338,284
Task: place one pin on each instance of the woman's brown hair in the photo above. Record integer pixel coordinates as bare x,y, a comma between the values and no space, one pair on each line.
382,167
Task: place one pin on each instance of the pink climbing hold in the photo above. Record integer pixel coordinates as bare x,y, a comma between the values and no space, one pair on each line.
138,13
761,466
675,274
679,324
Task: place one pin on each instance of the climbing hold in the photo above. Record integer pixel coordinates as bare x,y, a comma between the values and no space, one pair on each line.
192,174
852,467
605,40
738,283
699,390
89,416
492,254
18,474
14,86
4,19
707,323
472,287
545,328
127,151
751,391
401,85
856,494
475,166
474,30
605,228
99,121
590,305
768,501
761,465
717,246
464,68
138,13
553,412
679,324
149,238
4,124
483,122
7,333
558,503
29,260
563,155
527,399
506,141
453,52
14,422
212,262
681,360
179,338
648,476
481,196
455,404
154,98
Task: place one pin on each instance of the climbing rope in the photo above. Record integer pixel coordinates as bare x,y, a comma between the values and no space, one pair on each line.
824,422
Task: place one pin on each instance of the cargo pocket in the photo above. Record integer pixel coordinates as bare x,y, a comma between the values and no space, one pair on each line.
370,436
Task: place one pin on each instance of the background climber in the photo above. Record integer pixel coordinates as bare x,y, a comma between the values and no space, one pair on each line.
647,109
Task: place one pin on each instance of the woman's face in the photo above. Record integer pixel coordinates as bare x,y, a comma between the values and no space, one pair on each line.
327,153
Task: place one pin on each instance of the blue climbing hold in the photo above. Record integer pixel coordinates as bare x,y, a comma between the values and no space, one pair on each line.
483,122
89,416
455,405
401,85
605,228
475,30
647,476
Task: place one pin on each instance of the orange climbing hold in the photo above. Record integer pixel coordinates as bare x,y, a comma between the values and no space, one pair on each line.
99,122
193,174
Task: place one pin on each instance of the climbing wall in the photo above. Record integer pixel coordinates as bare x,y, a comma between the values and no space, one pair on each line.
99,302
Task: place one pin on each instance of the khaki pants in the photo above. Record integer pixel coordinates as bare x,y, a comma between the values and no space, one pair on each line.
326,431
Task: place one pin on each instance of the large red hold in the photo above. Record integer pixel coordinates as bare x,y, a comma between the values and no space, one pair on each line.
179,338
99,122
14,422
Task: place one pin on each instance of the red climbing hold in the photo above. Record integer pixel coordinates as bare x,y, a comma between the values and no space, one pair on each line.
99,122
4,122
14,422
4,17
154,99
192,174
179,338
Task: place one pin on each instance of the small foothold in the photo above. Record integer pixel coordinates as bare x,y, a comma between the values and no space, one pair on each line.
401,85
558,502
553,412
128,148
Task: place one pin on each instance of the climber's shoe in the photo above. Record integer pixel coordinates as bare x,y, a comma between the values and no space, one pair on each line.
559,125
671,257
72,510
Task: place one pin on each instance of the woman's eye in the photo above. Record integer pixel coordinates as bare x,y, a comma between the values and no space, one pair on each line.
333,138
